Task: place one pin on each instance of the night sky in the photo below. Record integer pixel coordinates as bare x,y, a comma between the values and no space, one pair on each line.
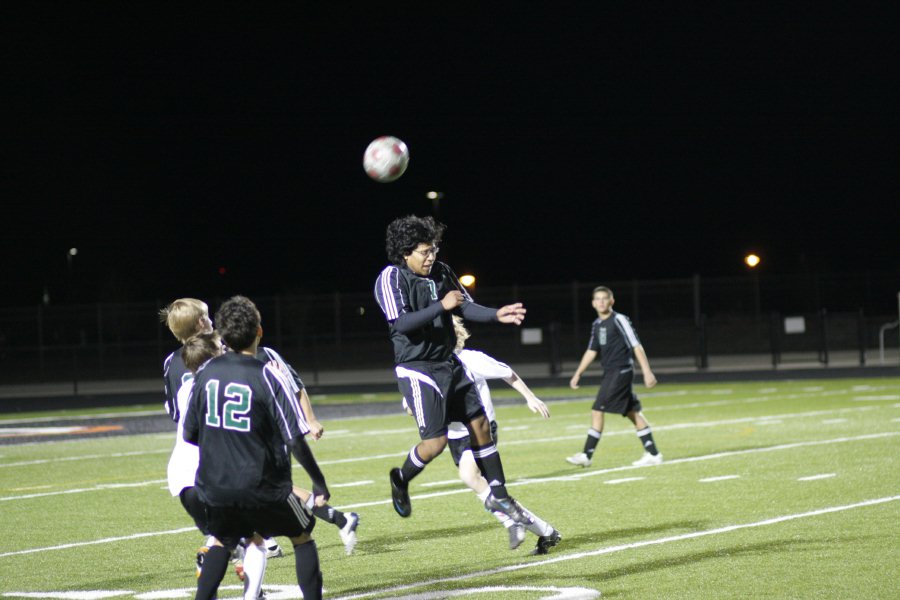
578,143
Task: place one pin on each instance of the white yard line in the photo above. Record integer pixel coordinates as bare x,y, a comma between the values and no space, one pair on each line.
622,547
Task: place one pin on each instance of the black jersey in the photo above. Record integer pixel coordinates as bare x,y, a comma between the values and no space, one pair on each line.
243,416
399,291
174,375
615,339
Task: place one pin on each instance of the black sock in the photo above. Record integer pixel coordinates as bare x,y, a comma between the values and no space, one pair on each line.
412,466
590,444
488,460
646,437
215,563
309,575
330,515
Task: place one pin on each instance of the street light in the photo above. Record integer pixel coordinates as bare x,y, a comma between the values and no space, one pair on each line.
70,261
435,197
752,261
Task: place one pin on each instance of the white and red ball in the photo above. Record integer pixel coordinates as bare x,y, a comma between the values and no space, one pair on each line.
385,159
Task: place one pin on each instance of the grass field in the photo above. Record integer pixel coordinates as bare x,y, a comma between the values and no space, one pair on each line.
787,489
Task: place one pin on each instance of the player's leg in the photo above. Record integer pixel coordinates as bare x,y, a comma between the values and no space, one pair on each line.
652,455
255,560
295,519
586,456
215,563
471,476
426,401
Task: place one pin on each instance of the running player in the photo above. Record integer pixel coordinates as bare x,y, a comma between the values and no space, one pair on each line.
186,317
614,338
244,417
418,294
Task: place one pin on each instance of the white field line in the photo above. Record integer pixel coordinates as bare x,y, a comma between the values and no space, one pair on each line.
466,490
719,478
622,547
817,477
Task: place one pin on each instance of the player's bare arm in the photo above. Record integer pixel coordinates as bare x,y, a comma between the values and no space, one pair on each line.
586,360
641,356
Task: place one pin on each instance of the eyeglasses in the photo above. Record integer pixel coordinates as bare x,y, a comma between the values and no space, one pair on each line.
433,251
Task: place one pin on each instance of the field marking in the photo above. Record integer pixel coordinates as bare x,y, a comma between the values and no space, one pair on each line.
719,478
518,482
817,477
623,480
875,398
622,547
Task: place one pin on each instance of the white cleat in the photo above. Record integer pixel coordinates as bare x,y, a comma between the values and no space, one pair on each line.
273,550
348,532
581,459
648,460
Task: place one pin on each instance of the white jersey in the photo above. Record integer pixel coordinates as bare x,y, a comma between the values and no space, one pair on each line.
479,367
185,457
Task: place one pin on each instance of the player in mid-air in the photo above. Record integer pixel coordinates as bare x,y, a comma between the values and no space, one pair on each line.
244,417
482,367
615,340
418,295
186,317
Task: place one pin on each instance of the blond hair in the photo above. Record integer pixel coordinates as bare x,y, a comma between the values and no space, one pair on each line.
182,317
462,334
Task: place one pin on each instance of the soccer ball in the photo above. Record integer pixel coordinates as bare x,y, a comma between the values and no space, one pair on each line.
385,159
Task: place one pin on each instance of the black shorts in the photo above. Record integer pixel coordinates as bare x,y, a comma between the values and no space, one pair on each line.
288,518
191,502
438,393
616,394
460,445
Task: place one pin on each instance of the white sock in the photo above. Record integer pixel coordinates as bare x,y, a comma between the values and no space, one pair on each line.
210,541
539,526
254,570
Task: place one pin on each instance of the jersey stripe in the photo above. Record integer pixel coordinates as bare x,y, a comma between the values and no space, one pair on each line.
627,330
389,294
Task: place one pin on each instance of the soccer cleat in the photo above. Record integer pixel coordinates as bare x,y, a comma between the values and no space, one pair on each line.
400,494
348,532
201,555
509,507
516,535
545,542
648,460
274,551
581,459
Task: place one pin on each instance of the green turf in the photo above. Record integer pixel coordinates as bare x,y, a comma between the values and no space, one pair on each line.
96,514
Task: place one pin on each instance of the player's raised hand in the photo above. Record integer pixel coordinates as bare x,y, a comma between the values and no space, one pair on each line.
511,313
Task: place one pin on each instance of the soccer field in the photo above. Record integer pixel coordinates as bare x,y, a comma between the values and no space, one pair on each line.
779,489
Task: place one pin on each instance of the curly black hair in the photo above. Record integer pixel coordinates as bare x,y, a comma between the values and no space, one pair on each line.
405,233
238,321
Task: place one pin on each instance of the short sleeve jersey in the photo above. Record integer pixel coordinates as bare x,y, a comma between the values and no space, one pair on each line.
615,339
398,291
243,416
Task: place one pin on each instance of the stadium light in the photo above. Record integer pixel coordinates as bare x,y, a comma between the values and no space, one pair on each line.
467,280
752,260
435,198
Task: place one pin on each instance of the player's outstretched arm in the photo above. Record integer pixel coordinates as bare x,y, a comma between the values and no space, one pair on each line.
535,404
303,453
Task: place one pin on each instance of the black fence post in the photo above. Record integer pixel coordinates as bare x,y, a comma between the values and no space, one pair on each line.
775,338
702,361
861,329
823,337
555,362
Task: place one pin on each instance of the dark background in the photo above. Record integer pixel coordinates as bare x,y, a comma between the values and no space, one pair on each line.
206,153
